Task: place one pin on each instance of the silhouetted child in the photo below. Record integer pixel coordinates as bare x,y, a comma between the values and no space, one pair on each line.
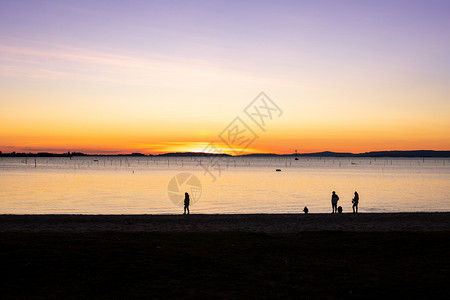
334,201
355,202
340,209
305,210
186,203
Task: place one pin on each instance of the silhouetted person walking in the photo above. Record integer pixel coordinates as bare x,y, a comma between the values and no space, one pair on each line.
334,201
355,202
186,203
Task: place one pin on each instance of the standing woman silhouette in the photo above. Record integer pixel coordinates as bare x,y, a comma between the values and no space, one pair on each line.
186,203
355,202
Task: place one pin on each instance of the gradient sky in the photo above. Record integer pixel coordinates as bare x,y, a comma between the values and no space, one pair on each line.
158,76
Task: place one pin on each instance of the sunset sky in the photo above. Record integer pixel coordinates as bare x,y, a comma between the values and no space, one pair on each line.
160,76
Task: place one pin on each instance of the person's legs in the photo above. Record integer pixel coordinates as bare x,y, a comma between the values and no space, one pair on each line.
353,207
184,210
356,208
187,207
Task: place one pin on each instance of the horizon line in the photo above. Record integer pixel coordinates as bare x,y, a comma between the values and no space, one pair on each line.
187,153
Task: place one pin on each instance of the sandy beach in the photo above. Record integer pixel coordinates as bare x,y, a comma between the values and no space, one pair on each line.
315,256
269,223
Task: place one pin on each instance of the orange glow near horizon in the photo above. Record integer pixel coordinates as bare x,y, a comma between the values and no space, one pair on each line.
104,136
271,142
105,128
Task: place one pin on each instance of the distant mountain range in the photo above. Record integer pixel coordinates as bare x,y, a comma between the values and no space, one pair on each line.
413,153
397,153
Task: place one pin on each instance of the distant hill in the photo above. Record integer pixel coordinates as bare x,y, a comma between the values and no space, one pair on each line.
315,154
414,153
262,155
192,154
397,153
329,154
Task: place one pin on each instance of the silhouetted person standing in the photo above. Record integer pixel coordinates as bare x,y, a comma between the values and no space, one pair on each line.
355,202
334,201
186,203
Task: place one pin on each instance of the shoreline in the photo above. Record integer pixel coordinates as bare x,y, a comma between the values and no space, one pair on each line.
269,223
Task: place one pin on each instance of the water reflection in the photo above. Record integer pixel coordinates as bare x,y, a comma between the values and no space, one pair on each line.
138,185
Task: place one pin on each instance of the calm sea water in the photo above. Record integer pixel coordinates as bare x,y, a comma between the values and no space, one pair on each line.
140,185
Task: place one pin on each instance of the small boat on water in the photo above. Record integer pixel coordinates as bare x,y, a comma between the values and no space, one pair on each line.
278,170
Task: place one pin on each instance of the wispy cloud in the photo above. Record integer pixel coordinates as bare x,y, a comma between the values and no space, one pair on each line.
53,61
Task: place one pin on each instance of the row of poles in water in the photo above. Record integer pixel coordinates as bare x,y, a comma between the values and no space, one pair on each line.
158,161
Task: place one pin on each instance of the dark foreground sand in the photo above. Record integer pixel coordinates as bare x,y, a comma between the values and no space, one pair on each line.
281,223
317,256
